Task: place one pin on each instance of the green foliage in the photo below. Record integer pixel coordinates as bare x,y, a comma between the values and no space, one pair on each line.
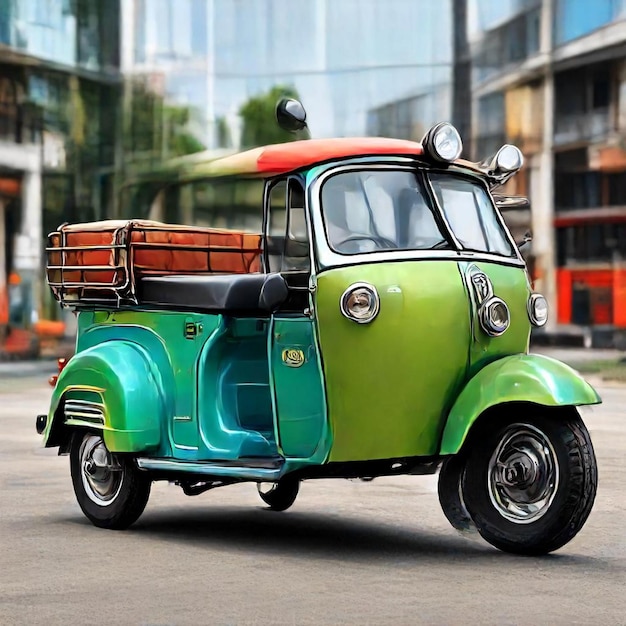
157,129
224,137
259,120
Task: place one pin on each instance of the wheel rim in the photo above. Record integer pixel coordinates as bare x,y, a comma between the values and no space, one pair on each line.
523,474
101,474
265,489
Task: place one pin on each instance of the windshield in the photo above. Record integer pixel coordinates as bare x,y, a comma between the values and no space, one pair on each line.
370,211
471,214
379,210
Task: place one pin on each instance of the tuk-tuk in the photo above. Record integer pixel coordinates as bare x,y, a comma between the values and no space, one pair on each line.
377,323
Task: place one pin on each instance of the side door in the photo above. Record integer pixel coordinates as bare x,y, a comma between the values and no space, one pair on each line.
295,369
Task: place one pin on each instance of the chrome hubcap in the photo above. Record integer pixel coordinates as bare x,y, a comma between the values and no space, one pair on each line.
266,488
523,474
100,472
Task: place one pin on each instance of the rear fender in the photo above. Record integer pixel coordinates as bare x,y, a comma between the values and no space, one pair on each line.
529,378
114,387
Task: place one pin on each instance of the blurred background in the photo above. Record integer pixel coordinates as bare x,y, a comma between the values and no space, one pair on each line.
98,96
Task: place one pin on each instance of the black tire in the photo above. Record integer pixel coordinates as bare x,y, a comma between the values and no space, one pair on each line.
281,495
449,489
524,506
115,493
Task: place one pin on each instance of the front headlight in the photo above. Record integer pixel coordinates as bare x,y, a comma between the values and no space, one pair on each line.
360,303
494,316
443,143
538,309
509,158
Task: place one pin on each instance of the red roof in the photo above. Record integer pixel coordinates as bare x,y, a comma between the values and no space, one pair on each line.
286,157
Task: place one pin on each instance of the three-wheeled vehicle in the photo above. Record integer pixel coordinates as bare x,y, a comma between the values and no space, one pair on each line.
374,321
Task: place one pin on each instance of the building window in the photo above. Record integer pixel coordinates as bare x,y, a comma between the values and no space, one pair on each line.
576,18
583,100
591,243
491,124
512,42
166,29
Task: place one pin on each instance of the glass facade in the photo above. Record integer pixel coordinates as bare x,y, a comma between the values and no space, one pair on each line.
330,52
513,28
60,91
576,18
69,32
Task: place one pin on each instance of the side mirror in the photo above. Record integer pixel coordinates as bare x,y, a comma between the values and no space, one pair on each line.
525,242
290,114
511,203
274,292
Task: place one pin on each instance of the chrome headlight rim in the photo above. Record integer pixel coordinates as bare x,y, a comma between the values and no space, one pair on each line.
532,316
343,302
431,147
503,156
492,329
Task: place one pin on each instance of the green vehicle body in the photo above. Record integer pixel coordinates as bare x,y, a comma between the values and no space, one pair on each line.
215,394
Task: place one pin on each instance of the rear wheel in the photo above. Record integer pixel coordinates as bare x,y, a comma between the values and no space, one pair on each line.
279,496
110,490
529,484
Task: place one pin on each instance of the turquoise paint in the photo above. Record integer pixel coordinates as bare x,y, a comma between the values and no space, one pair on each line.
299,401
174,358
122,373
234,396
218,383
519,378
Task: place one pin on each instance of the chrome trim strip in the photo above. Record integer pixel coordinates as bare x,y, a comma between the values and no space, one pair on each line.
82,422
83,411
208,469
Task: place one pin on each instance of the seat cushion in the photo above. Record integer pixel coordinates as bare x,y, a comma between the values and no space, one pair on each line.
227,293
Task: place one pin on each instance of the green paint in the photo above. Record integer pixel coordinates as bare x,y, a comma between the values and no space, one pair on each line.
300,406
520,378
510,284
389,382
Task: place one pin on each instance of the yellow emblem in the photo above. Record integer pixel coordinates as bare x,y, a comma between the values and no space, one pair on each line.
293,357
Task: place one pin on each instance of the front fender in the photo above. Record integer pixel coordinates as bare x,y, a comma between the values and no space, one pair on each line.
520,378
122,376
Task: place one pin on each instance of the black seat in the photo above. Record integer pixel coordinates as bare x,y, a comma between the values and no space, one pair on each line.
245,294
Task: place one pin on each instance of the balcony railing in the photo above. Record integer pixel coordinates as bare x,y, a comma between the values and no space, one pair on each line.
577,127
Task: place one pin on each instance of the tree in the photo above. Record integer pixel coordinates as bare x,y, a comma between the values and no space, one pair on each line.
259,120
155,129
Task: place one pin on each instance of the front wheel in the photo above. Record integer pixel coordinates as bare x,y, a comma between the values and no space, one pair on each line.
279,496
529,484
110,490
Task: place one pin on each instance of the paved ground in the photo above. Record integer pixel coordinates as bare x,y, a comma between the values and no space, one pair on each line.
346,553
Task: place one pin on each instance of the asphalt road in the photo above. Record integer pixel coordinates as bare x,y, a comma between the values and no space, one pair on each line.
346,553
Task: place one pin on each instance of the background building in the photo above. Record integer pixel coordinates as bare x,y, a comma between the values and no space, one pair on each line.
345,59
59,93
93,91
550,76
